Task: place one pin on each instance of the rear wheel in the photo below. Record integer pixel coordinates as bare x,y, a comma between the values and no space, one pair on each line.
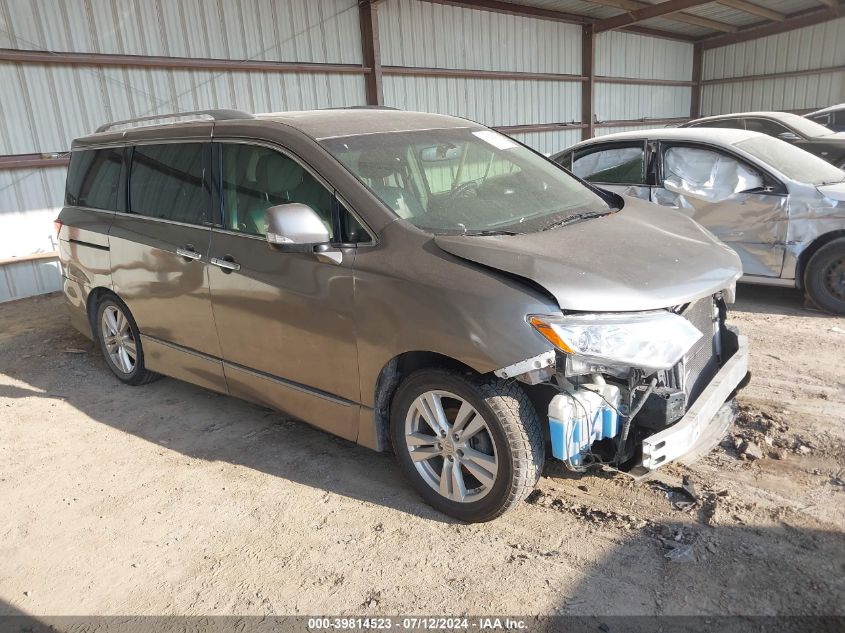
472,447
824,278
120,342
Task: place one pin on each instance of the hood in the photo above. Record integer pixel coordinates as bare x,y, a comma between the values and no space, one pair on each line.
834,192
643,257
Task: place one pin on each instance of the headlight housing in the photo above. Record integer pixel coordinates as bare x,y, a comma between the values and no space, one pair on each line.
646,340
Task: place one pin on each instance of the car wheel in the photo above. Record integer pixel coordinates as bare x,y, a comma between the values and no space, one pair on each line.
471,446
824,278
120,342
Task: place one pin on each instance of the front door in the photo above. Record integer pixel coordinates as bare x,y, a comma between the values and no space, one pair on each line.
734,200
159,251
284,319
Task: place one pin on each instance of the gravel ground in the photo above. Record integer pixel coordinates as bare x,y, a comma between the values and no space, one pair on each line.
168,499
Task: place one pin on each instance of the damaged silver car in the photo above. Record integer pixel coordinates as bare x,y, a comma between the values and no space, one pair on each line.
405,280
779,207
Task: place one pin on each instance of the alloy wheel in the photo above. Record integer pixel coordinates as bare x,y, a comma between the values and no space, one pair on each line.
118,339
451,446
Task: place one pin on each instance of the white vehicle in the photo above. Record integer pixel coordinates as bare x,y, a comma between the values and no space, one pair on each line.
779,207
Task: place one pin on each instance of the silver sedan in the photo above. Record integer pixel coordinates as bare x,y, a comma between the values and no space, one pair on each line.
780,208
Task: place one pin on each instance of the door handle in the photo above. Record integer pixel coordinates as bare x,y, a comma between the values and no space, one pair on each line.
227,263
188,253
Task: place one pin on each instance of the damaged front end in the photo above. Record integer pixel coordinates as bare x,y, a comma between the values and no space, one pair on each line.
635,391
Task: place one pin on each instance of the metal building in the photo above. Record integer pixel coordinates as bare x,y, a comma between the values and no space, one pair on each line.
548,72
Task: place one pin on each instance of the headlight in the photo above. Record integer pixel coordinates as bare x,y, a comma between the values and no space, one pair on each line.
647,340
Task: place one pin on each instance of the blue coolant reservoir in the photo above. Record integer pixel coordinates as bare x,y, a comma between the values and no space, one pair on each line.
583,415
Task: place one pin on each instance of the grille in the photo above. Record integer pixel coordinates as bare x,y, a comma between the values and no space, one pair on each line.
701,363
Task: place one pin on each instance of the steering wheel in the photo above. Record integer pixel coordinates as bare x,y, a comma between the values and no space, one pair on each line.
465,189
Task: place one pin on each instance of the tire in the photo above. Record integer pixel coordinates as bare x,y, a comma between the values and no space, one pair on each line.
494,420
119,339
824,277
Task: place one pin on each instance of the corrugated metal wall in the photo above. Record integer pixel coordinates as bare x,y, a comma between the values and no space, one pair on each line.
812,47
430,35
45,106
293,30
603,131
29,278
29,202
639,57
549,142
50,105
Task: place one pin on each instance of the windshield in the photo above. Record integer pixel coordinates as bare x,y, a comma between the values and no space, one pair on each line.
808,128
465,180
793,162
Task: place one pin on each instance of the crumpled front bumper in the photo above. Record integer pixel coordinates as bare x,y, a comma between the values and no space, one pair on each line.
705,422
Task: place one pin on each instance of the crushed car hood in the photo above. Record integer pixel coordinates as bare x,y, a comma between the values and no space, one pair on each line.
642,257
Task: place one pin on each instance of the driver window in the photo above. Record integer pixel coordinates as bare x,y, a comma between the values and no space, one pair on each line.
706,174
617,165
256,178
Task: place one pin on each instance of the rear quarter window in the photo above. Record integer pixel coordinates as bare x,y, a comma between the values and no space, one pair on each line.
94,179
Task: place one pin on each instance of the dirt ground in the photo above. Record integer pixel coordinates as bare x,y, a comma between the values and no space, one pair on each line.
168,499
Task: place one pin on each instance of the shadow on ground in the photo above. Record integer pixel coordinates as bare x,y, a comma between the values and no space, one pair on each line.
775,300
49,359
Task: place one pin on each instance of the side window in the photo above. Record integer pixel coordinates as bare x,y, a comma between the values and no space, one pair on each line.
94,177
616,165
256,178
822,119
765,126
168,181
706,174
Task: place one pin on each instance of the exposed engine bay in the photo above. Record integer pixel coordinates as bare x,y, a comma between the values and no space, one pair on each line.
605,415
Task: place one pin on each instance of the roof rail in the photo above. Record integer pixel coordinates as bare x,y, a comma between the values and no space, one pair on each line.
216,115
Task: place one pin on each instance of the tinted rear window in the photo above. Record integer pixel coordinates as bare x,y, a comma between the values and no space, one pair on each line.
93,178
168,181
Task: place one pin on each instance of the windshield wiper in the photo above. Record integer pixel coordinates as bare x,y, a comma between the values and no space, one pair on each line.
492,232
578,217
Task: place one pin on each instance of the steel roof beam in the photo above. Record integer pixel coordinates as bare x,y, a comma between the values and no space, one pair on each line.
794,21
753,9
646,13
687,18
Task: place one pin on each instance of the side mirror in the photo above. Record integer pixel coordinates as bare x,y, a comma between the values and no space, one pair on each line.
295,227
789,137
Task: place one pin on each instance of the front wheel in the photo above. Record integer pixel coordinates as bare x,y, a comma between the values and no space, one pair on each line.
471,446
824,278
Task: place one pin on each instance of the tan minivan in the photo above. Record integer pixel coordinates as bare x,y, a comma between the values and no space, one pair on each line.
404,280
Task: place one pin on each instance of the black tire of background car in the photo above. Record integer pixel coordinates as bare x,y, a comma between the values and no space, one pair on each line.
815,276
139,375
514,427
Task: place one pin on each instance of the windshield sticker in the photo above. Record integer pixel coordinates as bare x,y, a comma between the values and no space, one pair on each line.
495,139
